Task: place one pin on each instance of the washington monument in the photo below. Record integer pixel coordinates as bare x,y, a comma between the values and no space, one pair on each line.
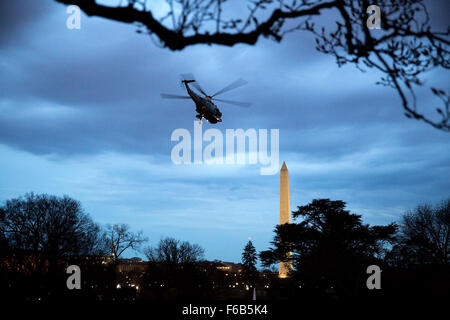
285,213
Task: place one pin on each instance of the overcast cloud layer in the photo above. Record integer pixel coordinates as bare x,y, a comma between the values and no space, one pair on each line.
80,114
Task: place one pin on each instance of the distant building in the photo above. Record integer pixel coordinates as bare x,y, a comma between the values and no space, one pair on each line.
134,264
230,267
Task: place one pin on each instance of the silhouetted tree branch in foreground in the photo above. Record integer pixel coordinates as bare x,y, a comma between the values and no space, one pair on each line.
402,50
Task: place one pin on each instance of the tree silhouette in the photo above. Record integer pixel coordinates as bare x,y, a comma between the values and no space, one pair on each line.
331,248
43,234
120,238
403,50
175,269
249,259
174,252
424,236
50,228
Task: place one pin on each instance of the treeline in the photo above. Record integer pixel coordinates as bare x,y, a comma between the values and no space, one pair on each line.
329,249
40,235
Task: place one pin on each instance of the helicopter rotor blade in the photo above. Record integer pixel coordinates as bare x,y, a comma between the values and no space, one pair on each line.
197,86
190,76
236,84
236,103
173,96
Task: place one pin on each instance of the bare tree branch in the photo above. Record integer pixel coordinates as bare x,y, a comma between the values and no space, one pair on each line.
120,238
404,49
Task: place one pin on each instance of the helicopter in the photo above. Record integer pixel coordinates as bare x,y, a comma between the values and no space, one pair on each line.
204,105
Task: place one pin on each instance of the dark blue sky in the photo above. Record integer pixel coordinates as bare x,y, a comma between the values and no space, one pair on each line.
80,114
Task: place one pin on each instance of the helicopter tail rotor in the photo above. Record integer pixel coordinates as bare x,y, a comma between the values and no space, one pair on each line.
188,78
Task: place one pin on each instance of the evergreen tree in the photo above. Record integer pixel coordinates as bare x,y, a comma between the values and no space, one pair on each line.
331,247
249,259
